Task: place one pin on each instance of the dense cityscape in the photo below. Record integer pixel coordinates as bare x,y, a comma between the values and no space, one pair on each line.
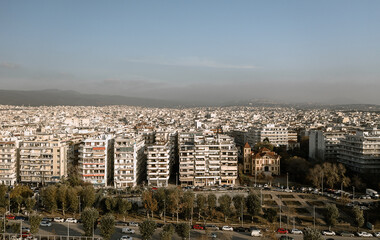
259,171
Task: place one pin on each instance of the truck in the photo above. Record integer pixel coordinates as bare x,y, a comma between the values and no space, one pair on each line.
371,193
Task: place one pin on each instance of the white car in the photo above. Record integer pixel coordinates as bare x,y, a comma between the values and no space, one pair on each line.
364,234
133,224
58,219
295,231
377,234
16,238
127,230
328,233
256,233
45,224
71,220
125,237
227,228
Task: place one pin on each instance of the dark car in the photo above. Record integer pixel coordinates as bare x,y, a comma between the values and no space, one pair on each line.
240,229
160,225
346,234
20,218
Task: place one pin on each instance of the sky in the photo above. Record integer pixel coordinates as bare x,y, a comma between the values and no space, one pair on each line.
215,51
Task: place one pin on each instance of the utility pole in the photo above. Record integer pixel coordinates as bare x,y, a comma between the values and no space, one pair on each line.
79,204
341,190
322,183
176,178
353,192
280,210
68,230
164,210
314,217
242,215
261,199
287,180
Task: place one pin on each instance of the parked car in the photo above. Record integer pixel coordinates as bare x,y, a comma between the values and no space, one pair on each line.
227,228
296,231
212,227
25,234
21,218
10,217
133,224
127,230
199,227
125,237
346,234
377,234
364,234
16,237
282,231
256,233
213,235
47,219
26,229
240,229
71,220
45,224
58,219
328,233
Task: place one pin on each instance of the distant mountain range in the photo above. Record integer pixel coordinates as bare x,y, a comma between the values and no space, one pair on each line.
54,97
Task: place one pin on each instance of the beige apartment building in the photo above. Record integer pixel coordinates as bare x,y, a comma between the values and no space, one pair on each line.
161,156
8,162
95,158
42,160
207,159
129,161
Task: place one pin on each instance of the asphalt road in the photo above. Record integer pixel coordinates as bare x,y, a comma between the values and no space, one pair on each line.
61,229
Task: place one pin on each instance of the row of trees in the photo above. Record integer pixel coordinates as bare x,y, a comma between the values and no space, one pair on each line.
332,214
331,174
175,202
20,197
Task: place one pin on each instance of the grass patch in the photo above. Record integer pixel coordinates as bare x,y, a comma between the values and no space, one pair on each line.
302,211
282,196
267,196
292,203
270,203
308,196
316,203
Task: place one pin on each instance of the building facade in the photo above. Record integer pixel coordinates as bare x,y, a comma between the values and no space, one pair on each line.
8,162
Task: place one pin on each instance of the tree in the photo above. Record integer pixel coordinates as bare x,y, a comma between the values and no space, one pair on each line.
74,178
147,229
330,173
312,234
49,198
62,197
225,205
34,221
167,232
174,201
160,195
107,226
183,230
315,175
123,206
331,215
88,196
30,203
253,204
188,204
3,196
297,168
110,204
211,203
150,204
89,220
201,205
72,199
270,214
358,216
18,194
239,204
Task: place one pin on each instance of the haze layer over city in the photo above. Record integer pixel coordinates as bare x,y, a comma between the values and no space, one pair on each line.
165,120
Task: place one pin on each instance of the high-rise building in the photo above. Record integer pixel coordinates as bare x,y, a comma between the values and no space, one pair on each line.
8,162
129,161
277,135
361,152
324,145
95,159
207,159
42,160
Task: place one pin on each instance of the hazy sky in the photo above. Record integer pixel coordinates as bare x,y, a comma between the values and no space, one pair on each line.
206,50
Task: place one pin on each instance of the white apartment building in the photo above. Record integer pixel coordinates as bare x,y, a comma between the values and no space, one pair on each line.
323,145
8,162
95,158
129,158
161,156
277,135
207,159
361,152
42,161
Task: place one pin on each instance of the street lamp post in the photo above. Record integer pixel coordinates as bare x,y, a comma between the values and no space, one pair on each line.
353,193
314,216
287,180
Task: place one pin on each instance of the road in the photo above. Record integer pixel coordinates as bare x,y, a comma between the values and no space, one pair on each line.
76,229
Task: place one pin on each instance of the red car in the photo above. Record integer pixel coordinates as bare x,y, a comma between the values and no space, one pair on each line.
10,217
282,231
197,226
25,234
